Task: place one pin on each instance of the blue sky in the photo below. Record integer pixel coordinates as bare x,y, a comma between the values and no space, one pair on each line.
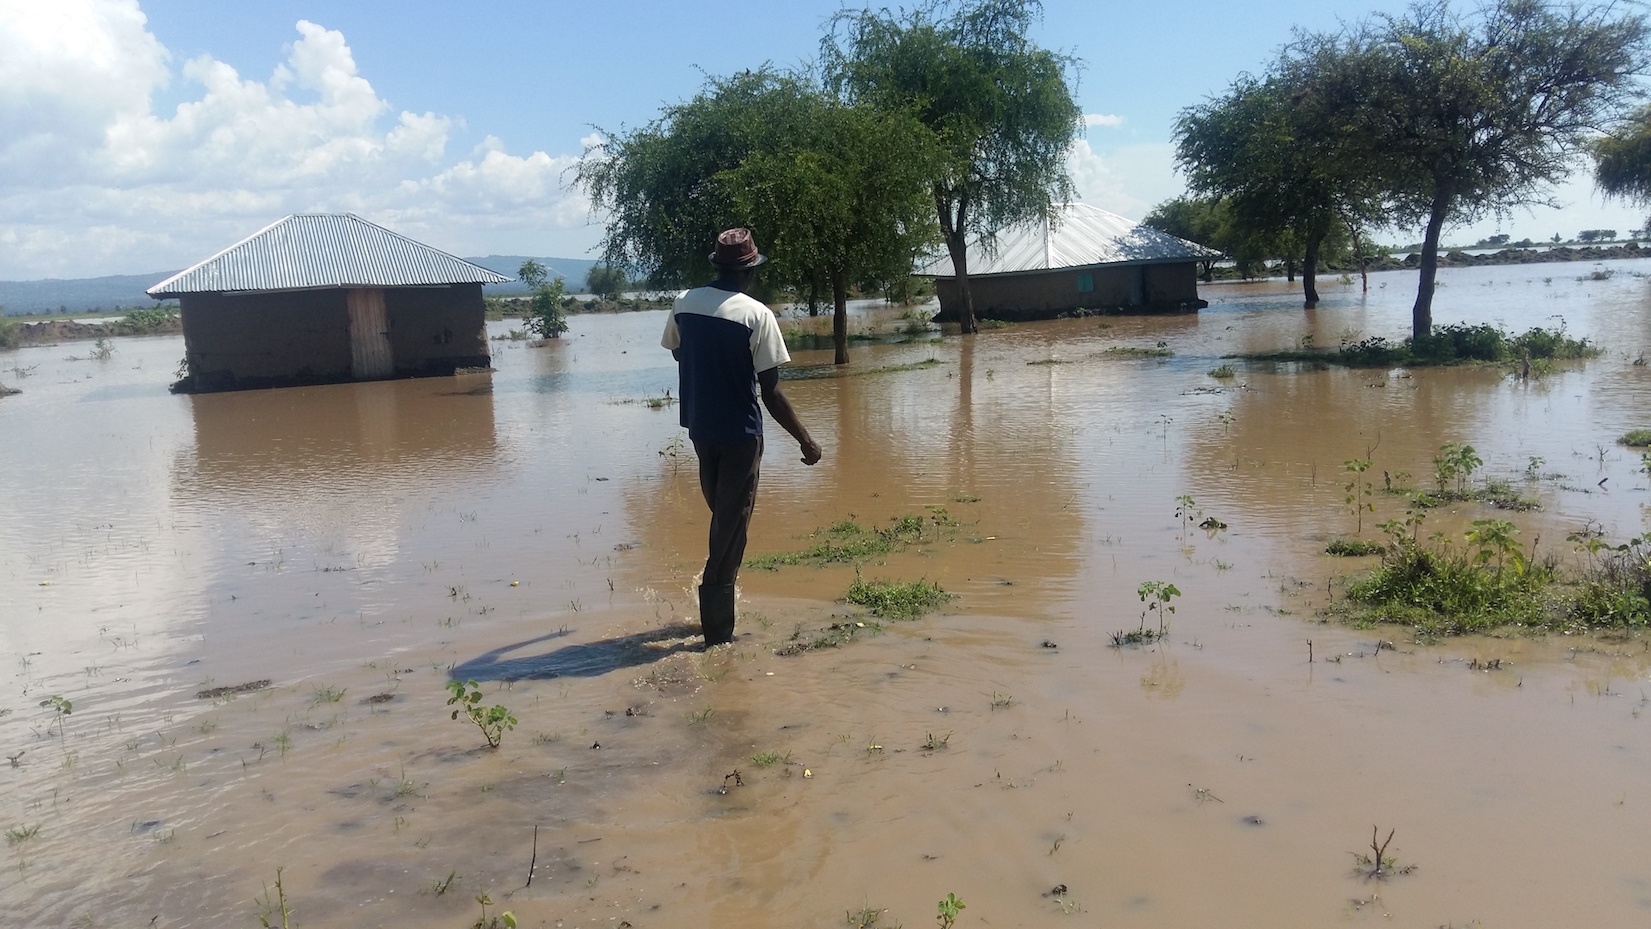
144,135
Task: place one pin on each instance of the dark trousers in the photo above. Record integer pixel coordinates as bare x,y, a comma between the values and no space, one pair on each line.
728,479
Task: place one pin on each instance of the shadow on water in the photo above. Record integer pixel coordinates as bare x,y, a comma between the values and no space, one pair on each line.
589,659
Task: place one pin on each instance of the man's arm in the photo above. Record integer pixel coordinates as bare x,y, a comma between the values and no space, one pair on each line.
780,408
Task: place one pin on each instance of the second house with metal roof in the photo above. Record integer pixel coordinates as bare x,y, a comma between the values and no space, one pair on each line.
320,298
1087,261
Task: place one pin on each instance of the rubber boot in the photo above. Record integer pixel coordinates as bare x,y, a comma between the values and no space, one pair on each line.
716,613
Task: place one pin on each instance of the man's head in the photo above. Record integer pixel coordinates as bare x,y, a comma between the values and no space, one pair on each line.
736,258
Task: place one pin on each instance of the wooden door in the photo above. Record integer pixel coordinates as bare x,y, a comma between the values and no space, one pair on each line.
370,356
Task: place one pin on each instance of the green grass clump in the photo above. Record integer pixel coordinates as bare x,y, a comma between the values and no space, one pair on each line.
1354,548
770,759
1135,351
1444,589
848,542
1222,373
895,600
1636,438
1489,582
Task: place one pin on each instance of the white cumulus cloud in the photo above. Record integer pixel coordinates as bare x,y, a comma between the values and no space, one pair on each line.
93,180
1109,120
1128,179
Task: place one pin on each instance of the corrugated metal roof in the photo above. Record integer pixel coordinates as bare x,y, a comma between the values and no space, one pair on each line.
308,250
1084,235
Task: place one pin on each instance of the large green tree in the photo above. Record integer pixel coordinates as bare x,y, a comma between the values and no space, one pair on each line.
1463,115
1274,150
999,109
834,193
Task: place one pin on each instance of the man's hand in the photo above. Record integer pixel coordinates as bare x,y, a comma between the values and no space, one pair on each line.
811,452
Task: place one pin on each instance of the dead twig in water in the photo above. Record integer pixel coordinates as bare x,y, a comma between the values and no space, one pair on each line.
1380,865
534,861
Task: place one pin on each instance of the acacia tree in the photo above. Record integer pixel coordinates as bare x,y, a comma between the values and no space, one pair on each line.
834,193
1461,116
998,107
1273,149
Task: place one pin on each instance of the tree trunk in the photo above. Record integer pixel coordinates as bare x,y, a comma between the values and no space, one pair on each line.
1309,273
813,296
1358,251
1290,270
1421,316
955,230
966,300
839,320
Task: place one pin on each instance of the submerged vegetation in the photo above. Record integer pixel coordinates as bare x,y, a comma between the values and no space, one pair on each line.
896,600
1488,580
1457,343
848,542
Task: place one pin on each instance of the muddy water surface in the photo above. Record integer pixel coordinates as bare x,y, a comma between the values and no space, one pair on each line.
538,529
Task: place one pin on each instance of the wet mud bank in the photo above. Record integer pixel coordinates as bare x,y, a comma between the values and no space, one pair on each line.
360,546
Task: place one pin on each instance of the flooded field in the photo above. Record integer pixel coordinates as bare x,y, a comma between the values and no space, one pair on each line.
538,530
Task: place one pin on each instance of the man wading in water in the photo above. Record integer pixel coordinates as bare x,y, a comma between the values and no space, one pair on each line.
729,350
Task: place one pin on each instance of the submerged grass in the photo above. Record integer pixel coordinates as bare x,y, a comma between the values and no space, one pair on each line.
1635,438
897,600
823,372
1354,548
848,542
1448,345
1136,351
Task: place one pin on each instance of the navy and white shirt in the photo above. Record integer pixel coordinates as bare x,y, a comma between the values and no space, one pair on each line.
723,340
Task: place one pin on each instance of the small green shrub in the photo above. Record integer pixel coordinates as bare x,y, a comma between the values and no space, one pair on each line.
1222,373
1635,438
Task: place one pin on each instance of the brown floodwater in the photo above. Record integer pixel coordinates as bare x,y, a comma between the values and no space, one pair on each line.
538,529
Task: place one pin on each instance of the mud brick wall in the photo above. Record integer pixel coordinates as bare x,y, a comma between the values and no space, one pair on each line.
1045,295
253,339
434,330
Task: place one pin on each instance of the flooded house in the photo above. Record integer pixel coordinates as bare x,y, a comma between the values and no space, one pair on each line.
1087,260
319,298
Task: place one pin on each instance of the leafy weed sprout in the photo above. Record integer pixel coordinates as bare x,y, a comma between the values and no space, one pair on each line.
1157,595
947,911
491,720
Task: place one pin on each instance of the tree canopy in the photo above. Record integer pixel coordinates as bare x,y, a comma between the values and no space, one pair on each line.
834,193
998,107
1622,161
1273,151
1462,116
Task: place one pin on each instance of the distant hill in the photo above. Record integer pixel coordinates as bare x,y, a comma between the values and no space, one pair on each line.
77,296
126,291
